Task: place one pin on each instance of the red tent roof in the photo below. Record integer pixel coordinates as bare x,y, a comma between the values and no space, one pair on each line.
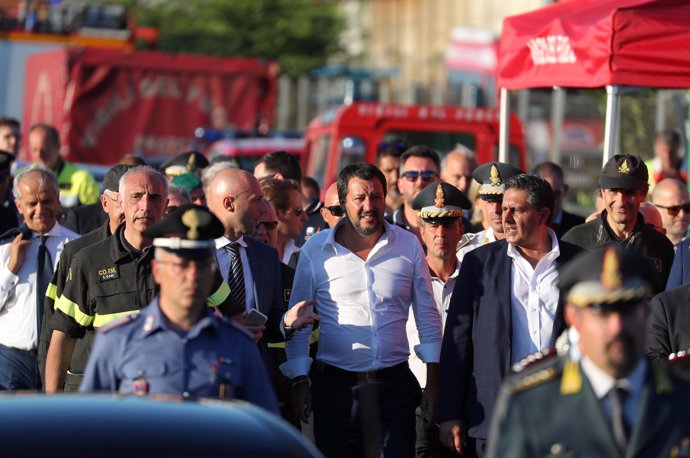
594,43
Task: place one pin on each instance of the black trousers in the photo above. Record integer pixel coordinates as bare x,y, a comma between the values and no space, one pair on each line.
365,415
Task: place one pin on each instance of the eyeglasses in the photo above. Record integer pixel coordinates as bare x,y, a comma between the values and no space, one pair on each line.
269,225
335,210
400,145
673,210
298,211
413,175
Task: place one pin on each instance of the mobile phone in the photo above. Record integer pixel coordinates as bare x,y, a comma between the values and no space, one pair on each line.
255,318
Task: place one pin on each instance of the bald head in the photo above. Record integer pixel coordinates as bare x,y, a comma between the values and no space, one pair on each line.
652,217
330,200
670,197
235,198
457,168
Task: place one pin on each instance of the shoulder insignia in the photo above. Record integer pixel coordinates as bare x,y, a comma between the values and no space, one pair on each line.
465,240
531,360
118,323
532,380
571,382
69,274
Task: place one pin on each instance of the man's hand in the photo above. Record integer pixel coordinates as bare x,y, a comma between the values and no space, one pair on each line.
300,316
18,249
301,398
258,331
453,435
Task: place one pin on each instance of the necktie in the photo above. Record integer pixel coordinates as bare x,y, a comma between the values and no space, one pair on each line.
44,272
236,274
620,427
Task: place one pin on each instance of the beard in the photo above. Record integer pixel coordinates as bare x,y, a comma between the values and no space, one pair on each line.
365,230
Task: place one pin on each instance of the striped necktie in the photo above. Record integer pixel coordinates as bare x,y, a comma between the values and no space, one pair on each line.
44,273
236,273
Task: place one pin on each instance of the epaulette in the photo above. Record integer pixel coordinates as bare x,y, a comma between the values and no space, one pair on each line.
532,359
118,322
534,371
465,240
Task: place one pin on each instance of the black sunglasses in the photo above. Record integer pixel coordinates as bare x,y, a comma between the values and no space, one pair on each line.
269,225
413,175
673,210
336,210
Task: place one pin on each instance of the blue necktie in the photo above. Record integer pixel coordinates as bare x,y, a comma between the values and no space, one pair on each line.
44,273
236,273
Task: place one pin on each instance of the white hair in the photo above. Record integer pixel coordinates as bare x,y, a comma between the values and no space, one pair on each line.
46,176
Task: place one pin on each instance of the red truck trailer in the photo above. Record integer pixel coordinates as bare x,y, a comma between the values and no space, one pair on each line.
108,103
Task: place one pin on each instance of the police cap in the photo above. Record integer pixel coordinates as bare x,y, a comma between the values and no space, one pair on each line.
184,163
111,180
624,171
188,231
6,159
492,177
608,277
440,201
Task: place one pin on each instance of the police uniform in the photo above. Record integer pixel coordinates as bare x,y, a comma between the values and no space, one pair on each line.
552,408
492,177
626,171
147,354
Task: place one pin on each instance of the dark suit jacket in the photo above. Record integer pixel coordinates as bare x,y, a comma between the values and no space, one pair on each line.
680,269
86,218
542,420
476,350
568,221
669,323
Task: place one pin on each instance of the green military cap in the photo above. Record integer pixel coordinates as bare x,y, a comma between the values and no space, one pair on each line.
6,159
492,177
440,201
624,171
608,277
188,231
189,161
188,181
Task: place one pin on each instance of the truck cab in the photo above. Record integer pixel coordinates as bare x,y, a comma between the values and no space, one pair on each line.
352,133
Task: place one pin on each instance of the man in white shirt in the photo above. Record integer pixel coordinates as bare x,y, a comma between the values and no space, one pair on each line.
505,306
440,208
364,275
25,265
611,401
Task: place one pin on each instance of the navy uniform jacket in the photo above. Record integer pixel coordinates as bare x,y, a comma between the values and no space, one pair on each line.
143,354
552,410
669,323
680,270
476,351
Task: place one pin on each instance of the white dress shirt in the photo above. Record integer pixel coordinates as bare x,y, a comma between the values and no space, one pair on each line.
290,249
443,291
224,261
18,292
602,383
534,300
364,304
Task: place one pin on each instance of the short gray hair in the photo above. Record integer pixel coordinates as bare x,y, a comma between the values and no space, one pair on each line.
46,176
174,190
142,168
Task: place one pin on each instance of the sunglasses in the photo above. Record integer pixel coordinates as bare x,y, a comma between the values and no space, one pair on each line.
269,225
673,210
427,175
399,145
336,210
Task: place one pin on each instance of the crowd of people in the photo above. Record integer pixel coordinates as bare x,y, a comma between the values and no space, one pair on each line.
428,306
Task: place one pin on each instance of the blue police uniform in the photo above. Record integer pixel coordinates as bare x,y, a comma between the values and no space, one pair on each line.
145,354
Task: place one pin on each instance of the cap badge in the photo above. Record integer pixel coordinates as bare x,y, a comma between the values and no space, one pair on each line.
191,162
440,200
495,177
193,218
610,270
624,168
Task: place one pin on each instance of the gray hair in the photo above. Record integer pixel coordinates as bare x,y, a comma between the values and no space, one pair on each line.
210,173
46,176
174,190
142,168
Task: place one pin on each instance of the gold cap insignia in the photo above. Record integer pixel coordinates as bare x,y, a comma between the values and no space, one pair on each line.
440,200
191,162
624,168
495,177
610,270
193,218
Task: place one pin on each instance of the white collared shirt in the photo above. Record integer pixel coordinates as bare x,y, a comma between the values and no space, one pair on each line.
364,304
534,300
290,249
18,292
224,261
443,291
602,383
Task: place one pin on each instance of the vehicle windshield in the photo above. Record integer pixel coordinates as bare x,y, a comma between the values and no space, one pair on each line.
443,142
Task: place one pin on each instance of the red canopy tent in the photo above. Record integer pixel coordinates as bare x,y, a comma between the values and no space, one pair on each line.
596,43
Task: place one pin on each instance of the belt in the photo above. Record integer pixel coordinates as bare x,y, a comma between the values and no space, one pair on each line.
368,376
